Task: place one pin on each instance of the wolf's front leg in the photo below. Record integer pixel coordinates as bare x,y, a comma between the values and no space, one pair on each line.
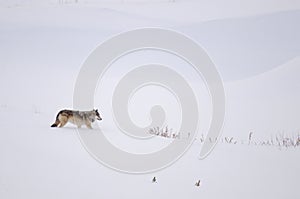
89,125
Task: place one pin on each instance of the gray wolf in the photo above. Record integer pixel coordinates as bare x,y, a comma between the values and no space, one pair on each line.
78,118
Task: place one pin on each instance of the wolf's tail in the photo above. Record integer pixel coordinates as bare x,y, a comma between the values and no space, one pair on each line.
56,123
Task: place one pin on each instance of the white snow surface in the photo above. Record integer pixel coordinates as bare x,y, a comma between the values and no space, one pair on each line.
255,46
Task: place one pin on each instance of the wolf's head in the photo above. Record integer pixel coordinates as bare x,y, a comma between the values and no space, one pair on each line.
97,115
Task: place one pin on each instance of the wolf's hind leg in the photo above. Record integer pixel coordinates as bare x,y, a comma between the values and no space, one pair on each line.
63,121
62,124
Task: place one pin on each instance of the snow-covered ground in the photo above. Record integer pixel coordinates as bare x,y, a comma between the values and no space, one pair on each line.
254,44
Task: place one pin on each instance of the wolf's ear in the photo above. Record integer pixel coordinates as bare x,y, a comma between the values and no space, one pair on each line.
97,110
